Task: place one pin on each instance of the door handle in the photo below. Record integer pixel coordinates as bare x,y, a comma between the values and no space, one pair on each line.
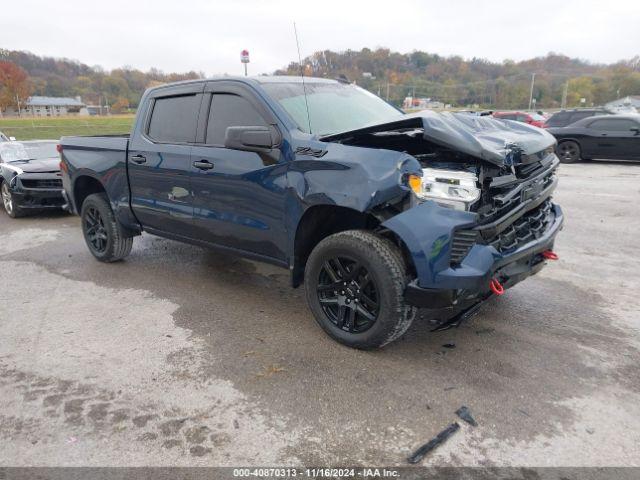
203,165
139,159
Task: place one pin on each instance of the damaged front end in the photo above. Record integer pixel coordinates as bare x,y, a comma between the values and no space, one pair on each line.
481,212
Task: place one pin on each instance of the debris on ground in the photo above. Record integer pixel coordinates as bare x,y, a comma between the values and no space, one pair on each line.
433,443
465,414
270,370
449,345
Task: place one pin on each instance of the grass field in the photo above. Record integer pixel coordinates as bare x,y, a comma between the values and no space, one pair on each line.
56,127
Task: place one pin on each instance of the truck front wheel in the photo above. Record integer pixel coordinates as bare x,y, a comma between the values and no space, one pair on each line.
101,230
354,282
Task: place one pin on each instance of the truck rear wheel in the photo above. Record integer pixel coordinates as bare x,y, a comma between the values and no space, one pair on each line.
101,230
355,283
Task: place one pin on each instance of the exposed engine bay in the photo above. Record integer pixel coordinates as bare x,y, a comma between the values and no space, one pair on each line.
507,184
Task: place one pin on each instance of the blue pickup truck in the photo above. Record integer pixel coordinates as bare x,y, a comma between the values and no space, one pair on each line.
377,212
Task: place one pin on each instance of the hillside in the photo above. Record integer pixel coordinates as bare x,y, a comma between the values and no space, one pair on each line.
61,77
461,82
452,80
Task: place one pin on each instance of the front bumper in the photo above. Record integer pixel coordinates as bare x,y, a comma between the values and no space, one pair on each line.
27,194
448,290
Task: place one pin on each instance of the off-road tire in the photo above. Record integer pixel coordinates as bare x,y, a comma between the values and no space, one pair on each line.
117,245
568,151
387,269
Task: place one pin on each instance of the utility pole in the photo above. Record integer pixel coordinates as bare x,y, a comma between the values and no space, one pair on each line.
387,91
533,79
565,91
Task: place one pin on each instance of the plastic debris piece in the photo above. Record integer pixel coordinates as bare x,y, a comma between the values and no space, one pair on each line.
465,414
433,443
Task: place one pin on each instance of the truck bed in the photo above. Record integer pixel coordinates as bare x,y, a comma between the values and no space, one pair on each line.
108,142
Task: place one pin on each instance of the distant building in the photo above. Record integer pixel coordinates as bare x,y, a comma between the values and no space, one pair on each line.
626,104
54,106
411,103
98,110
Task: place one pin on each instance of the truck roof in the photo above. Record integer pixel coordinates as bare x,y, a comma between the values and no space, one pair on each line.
253,79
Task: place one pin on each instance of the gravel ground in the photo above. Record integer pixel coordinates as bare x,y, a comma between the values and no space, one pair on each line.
182,356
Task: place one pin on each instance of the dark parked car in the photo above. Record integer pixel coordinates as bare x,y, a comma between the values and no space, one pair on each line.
567,117
376,212
30,178
599,137
530,118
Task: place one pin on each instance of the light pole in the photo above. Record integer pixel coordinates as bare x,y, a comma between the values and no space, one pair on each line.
244,58
533,79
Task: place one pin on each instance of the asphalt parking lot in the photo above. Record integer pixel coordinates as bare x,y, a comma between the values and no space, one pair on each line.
182,356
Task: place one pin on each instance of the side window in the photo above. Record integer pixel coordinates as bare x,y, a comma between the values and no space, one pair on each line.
613,125
229,110
558,119
522,118
174,119
580,115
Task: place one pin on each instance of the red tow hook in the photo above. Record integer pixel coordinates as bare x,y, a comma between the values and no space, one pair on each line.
550,255
496,287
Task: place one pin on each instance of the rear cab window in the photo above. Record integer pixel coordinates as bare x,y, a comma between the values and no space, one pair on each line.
174,119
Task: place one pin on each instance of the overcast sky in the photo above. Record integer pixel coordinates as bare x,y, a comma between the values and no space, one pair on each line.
208,35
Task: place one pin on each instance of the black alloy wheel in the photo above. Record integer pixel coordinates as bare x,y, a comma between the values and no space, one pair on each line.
347,294
568,152
95,230
354,282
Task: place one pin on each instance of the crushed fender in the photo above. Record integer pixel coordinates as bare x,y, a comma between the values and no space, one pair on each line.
465,414
433,443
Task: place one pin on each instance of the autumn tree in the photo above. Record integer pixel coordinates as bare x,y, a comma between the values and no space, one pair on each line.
120,105
14,85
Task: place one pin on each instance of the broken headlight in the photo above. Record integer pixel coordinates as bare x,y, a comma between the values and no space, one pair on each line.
448,188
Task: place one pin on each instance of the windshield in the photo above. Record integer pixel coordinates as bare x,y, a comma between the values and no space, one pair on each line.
333,107
17,151
536,116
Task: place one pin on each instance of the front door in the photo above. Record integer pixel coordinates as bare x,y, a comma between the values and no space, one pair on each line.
614,138
238,195
160,160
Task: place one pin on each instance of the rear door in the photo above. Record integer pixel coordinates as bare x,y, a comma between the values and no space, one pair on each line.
238,195
614,138
160,160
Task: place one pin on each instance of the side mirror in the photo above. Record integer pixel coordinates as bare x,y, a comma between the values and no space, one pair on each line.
12,139
250,139
636,130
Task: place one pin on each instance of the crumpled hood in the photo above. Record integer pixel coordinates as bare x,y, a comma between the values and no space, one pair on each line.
486,138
